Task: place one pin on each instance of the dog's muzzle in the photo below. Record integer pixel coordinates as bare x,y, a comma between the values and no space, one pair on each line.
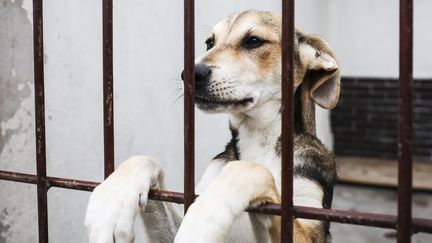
205,96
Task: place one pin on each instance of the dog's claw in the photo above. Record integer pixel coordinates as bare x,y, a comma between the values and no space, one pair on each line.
142,201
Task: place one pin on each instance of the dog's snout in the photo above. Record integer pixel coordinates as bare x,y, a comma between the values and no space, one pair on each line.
202,73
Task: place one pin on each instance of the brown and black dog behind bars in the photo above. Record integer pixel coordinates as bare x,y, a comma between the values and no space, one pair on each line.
239,74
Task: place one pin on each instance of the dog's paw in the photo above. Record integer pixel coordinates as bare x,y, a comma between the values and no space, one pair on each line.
114,204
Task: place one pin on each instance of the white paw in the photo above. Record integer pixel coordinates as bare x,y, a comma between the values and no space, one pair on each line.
114,204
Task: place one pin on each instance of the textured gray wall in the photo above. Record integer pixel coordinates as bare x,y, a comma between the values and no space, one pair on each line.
17,146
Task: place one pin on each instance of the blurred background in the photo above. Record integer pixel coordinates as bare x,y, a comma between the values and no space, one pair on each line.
148,60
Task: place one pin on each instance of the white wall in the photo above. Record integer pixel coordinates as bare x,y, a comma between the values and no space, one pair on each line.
148,51
365,35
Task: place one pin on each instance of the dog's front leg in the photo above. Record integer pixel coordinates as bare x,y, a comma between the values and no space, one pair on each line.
239,185
115,203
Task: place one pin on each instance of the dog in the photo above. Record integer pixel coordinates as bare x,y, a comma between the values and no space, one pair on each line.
239,74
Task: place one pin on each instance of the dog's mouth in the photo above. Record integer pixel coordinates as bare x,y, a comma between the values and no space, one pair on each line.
215,104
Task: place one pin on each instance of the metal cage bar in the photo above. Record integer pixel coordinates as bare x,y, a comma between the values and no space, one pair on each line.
39,84
341,216
405,121
189,103
287,105
403,222
108,86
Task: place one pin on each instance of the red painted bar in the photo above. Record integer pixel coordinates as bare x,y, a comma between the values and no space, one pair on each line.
405,121
40,120
108,96
287,120
189,103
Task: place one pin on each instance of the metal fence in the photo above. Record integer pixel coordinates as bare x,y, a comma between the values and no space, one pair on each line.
403,222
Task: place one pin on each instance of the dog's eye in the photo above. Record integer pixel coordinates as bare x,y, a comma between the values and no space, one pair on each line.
252,42
210,43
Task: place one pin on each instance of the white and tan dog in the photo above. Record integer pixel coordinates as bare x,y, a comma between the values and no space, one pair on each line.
239,74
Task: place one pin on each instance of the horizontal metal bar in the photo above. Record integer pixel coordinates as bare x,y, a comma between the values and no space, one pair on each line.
18,177
160,195
340,216
167,196
347,217
71,184
422,225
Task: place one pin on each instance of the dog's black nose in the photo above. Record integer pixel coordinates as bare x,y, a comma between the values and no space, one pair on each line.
202,73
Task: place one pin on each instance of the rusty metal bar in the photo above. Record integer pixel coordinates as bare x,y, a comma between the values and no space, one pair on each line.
405,121
39,85
422,225
70,184
359,218
341,216
108,96
18,177
287,120
346,217
167,196
160,195
189,103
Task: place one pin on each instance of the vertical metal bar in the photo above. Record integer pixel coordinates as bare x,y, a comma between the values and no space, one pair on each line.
287,119
108,98
405,121
189,102
40,120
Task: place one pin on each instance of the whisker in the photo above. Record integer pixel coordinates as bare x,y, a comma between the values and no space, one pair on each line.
176,91
178,98
176,80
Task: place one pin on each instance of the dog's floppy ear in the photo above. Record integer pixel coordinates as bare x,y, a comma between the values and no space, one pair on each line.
323,72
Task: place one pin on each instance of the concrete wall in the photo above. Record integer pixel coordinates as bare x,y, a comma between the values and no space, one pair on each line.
147,63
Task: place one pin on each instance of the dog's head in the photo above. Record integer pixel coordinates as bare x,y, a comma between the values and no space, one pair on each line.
242,65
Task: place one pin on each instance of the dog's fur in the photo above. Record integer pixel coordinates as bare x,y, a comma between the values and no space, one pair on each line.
245,81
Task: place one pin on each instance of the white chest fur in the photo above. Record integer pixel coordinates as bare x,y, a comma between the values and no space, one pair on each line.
259,146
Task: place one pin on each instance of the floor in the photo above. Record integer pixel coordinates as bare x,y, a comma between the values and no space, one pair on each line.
376,201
